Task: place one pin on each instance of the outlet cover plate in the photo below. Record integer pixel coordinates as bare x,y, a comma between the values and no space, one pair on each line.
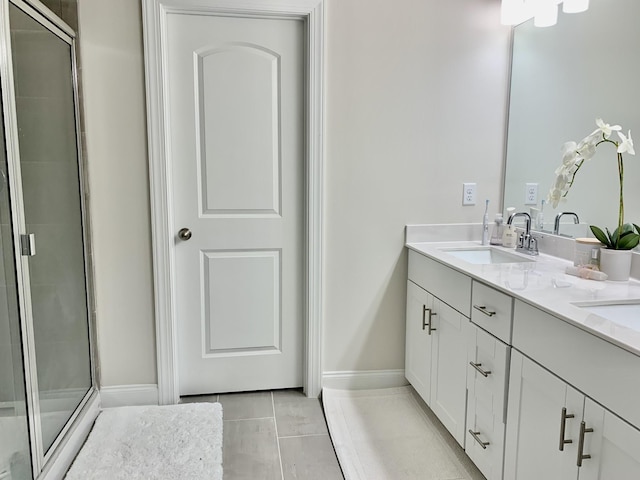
468,194
531,194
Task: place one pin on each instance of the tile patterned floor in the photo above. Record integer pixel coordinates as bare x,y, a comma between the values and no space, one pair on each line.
279,435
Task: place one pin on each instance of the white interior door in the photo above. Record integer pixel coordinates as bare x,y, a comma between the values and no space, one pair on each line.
236,126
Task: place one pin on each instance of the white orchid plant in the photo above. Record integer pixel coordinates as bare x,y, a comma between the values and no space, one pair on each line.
626,236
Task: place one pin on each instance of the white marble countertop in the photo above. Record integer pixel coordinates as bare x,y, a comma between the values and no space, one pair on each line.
544,284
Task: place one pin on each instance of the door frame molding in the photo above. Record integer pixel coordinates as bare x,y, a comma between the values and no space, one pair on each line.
154,13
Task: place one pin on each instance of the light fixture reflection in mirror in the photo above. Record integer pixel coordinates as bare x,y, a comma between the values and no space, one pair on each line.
545,12
563,78
575,6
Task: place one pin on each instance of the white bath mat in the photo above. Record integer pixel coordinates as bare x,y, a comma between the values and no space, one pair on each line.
153,443
385,435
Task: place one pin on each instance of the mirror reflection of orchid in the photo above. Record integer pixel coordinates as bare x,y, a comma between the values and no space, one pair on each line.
626,236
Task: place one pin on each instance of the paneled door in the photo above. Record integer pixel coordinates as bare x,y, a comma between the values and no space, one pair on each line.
236,123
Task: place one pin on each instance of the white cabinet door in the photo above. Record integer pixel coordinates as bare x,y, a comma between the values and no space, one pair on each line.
418,341
449,371
487,367
435,358
535,424
614,446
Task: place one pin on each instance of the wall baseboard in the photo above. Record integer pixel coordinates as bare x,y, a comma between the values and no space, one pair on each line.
128,395
364,379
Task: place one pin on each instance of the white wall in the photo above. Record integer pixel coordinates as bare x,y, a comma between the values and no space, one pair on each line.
416,100
416,104
114,108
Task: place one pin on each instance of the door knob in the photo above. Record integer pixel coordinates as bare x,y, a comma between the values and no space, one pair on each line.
184,234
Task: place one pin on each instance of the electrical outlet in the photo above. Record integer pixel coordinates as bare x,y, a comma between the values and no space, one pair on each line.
531,194
468,194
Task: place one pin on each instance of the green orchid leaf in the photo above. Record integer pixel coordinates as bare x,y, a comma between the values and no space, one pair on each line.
628,241
613,237
600,235
637,228
627,228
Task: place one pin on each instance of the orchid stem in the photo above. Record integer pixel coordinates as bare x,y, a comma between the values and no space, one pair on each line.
621,212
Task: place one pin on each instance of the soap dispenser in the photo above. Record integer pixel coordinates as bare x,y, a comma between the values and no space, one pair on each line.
498,230
510,236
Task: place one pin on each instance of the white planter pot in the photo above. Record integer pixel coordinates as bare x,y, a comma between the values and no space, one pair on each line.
616,264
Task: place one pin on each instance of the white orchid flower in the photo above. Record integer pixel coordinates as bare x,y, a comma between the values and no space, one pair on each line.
561,181
605,128
569,153
554,197
574,154
588,151
626,145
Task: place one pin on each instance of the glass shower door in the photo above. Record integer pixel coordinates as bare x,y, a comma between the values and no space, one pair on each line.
46,117
15,462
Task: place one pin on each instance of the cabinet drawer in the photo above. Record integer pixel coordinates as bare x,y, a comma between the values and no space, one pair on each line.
450,286
491,310
601,370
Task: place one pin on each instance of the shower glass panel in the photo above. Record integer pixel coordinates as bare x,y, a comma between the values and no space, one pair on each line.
46,115
15,462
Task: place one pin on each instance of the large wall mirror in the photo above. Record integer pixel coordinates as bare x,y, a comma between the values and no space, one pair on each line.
563,78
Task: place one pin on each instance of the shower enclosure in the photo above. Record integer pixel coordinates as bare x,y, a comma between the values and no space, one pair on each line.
46,368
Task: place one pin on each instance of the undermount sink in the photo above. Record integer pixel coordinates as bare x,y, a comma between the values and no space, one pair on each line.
485,255
626,314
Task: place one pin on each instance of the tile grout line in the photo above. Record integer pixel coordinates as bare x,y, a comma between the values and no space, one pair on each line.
248,419
306,435
275,423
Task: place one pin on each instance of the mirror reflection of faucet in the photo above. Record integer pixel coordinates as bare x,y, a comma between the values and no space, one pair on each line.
556,223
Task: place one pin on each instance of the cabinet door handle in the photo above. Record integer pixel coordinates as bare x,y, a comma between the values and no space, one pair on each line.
426,324
581,455
563,423
476,437
484,373
483,309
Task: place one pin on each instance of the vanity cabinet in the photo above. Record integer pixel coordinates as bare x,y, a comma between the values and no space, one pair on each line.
435,359
487,367
528,395
556,432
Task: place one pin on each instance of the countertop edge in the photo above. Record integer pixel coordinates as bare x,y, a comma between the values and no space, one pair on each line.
572,315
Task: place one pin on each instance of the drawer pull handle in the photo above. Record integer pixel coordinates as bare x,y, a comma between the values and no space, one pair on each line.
563,424
476,437
426,324
581,455
484,373
484,310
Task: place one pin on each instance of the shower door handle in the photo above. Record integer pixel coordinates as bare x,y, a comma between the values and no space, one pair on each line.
28,245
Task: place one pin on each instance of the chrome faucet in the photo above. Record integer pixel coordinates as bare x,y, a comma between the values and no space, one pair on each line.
526,242
556,223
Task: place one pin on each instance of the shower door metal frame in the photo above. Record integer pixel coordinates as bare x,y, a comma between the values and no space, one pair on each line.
41,460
